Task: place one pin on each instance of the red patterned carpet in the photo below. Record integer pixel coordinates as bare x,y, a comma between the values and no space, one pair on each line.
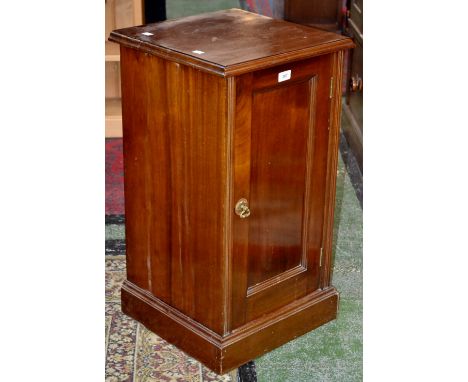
114,177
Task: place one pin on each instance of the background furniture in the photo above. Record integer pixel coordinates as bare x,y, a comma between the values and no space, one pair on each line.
230,157
154,11
352,108
119,14
324,14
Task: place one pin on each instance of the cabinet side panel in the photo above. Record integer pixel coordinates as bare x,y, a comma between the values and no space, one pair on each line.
175,173
197,125
138,163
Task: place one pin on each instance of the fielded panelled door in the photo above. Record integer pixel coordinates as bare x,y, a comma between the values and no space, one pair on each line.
280,163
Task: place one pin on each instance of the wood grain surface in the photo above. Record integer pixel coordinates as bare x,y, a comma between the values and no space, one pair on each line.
232,41
174,120
280,158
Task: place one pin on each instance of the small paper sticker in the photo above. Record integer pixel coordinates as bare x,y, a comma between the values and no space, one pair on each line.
198,51
284,76
147,33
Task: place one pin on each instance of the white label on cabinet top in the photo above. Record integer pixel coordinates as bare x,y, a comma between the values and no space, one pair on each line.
147,33
198,51
284,76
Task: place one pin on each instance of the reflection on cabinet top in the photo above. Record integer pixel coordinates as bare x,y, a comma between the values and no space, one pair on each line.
230,42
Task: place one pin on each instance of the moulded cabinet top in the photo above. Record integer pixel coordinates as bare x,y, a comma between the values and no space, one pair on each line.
230,42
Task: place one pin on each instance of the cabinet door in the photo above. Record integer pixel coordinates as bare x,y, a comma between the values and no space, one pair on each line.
280,140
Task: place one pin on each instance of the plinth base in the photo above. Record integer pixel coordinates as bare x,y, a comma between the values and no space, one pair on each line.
224,353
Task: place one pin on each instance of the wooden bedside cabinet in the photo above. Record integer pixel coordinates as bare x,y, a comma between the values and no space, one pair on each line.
230,124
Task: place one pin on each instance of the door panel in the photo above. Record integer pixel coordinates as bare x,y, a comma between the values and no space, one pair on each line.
280,151
278,170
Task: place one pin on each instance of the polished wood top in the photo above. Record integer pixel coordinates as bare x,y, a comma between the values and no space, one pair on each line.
230,42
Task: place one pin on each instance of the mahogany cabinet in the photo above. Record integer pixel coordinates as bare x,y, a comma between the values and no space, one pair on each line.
230,126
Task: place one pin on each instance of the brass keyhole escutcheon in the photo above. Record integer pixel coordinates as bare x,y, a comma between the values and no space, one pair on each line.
242,208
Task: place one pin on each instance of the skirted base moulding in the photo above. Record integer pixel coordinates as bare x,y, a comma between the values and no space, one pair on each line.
224,353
